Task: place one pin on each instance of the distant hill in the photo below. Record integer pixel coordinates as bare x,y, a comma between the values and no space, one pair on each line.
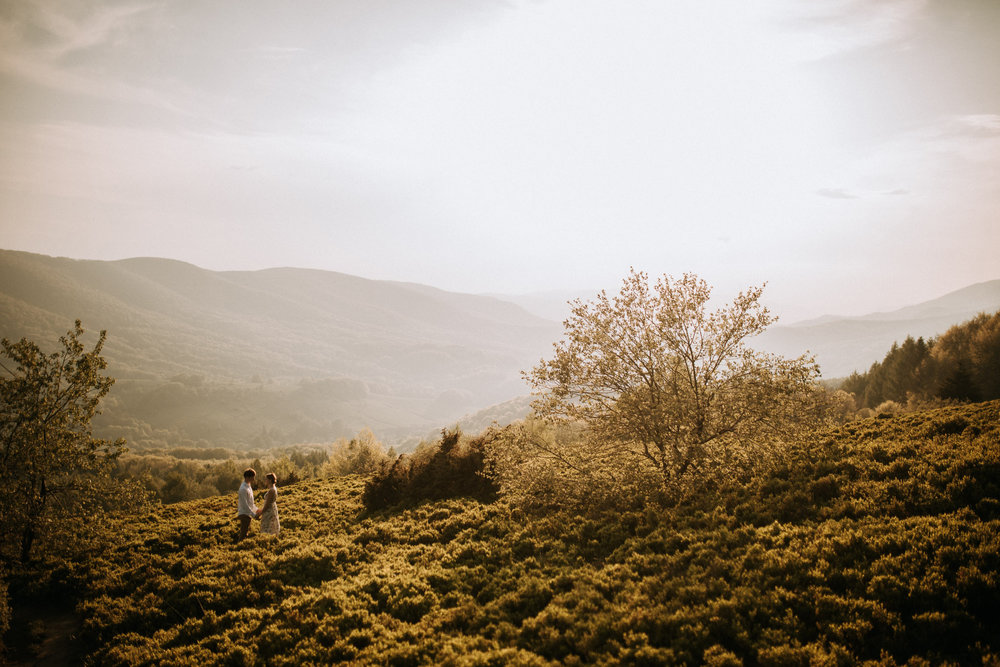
552,305
401,355
843,345
283,356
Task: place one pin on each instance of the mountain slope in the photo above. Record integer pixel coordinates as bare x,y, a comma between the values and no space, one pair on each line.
167,318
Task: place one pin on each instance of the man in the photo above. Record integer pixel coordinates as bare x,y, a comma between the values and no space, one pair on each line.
246,509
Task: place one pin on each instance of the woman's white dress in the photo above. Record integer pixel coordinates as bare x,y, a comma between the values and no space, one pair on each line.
269,519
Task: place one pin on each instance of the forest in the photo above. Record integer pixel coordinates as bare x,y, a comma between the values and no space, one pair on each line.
963,364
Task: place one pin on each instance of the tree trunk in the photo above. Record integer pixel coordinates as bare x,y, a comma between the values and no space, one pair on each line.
27,539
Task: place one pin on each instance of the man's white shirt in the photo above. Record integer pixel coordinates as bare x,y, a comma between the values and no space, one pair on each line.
246,504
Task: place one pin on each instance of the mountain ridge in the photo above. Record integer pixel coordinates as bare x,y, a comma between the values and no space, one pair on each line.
960,302
845,344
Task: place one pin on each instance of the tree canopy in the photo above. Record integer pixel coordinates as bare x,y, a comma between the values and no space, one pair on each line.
51,464
662,382
963,364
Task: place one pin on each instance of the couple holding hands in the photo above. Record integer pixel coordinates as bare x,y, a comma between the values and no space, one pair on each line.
247,510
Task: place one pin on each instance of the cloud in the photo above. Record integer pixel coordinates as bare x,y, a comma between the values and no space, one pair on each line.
93,30
835,193
67,51
974,125
834,27
278,69
950,153
278,52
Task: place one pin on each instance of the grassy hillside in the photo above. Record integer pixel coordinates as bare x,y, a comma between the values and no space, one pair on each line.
876,543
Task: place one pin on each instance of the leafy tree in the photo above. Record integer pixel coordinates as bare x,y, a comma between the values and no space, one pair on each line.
959,384
51,464
359,455
653,374
985,355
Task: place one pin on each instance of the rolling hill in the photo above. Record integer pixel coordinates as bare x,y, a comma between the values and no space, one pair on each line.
389,355
284,356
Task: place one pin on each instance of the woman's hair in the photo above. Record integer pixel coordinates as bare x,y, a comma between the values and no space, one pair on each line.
271,477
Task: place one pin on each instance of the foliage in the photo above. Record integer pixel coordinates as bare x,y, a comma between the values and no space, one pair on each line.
878,545
184,473
657,379
53,468
452,467
541,465
962,365
360,455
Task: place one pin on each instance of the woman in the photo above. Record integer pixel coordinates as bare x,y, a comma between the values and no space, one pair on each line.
269,511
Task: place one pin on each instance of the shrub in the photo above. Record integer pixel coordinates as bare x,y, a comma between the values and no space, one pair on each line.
450,468
361,455
876,544
888,408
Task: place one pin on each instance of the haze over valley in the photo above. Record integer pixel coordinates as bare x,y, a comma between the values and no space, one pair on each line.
288,356
321,353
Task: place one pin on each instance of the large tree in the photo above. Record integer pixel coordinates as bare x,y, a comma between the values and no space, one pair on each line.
50,463
656,377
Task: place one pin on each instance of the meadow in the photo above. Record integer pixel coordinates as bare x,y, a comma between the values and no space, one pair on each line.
876,543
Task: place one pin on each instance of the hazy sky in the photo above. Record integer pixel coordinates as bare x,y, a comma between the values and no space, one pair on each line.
845,151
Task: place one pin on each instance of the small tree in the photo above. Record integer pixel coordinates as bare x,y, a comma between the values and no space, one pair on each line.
49,460
360,455
653,375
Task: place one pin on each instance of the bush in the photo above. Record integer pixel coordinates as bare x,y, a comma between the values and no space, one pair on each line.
543,465
361,455
450,468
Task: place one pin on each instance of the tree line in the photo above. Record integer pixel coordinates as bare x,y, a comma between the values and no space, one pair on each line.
176,475
963,364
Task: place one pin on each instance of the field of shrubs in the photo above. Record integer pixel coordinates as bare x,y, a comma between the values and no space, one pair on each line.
877,543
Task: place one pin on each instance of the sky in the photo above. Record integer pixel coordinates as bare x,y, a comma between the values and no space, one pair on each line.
845,152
